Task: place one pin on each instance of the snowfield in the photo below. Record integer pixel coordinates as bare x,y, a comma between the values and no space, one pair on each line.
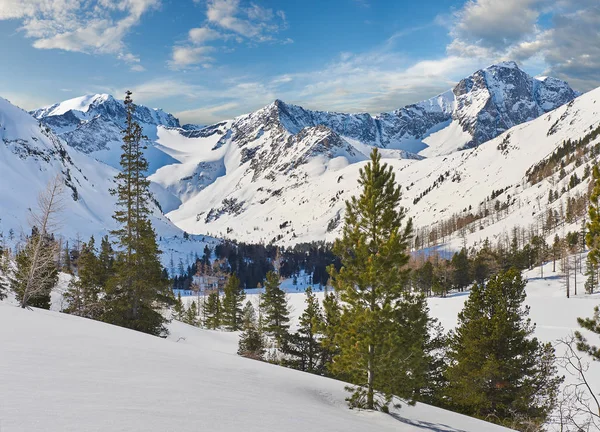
62,373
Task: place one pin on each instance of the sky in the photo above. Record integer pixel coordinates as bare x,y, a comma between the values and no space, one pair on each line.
209,60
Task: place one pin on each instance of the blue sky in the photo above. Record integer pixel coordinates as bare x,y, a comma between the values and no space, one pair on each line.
207,60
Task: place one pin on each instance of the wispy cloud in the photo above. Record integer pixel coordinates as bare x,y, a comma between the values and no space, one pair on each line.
228,20
87,26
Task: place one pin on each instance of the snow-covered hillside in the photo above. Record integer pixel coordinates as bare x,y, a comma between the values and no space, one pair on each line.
260,200
283,172
93,123
90,376
31,154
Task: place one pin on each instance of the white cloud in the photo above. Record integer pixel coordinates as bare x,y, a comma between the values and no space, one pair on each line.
87,26
567,42
184,56
229,20
201,35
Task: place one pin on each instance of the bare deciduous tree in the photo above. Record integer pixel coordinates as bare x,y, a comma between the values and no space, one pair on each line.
41,253
579,405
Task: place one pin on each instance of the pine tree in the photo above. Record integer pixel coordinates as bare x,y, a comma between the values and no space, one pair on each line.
461,276
136,292
213,311
83,294
591,272
276,308
232,304
593,325
178,308
252,343
303,348
106,259
593,226
499,372
248,315
371,284
191,315
331,326
36,273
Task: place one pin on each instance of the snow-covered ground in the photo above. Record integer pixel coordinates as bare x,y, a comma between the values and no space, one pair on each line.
64,373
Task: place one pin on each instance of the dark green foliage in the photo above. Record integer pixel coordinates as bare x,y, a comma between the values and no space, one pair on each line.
499,372
212,311
83,294
178,308
277,314
136,292
32,284
592,237
461,275
372,342
232,304
332,314
191,315
252,342
303,348
593,325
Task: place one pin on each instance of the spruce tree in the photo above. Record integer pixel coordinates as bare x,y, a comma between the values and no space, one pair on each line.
83,294
277,314
303,348
178,308
232,304
252,343
248,315
498,371
592,236
593,325
461,275
191,315
372,284
36,273
136,291
331,326
212,311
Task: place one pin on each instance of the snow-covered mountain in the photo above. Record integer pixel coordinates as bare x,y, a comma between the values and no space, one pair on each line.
31,154
283,172
92,124
228,193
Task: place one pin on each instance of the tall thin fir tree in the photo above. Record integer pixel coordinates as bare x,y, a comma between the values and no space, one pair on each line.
233,299
137,292
83,293
277,313
372,284
310,323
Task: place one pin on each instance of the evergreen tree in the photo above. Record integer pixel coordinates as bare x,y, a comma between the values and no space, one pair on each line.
592,236
106,260
331,325
136,292
178,308
36,273
83,294
276,308
304,346
212,311
461,276
248,315
232,304
371,284
593,325
498,372
67,259
592,273
191,315
252,343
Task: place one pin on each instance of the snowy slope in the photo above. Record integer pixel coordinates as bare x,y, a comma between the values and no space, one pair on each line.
93,123
63,373
271,204
31,154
